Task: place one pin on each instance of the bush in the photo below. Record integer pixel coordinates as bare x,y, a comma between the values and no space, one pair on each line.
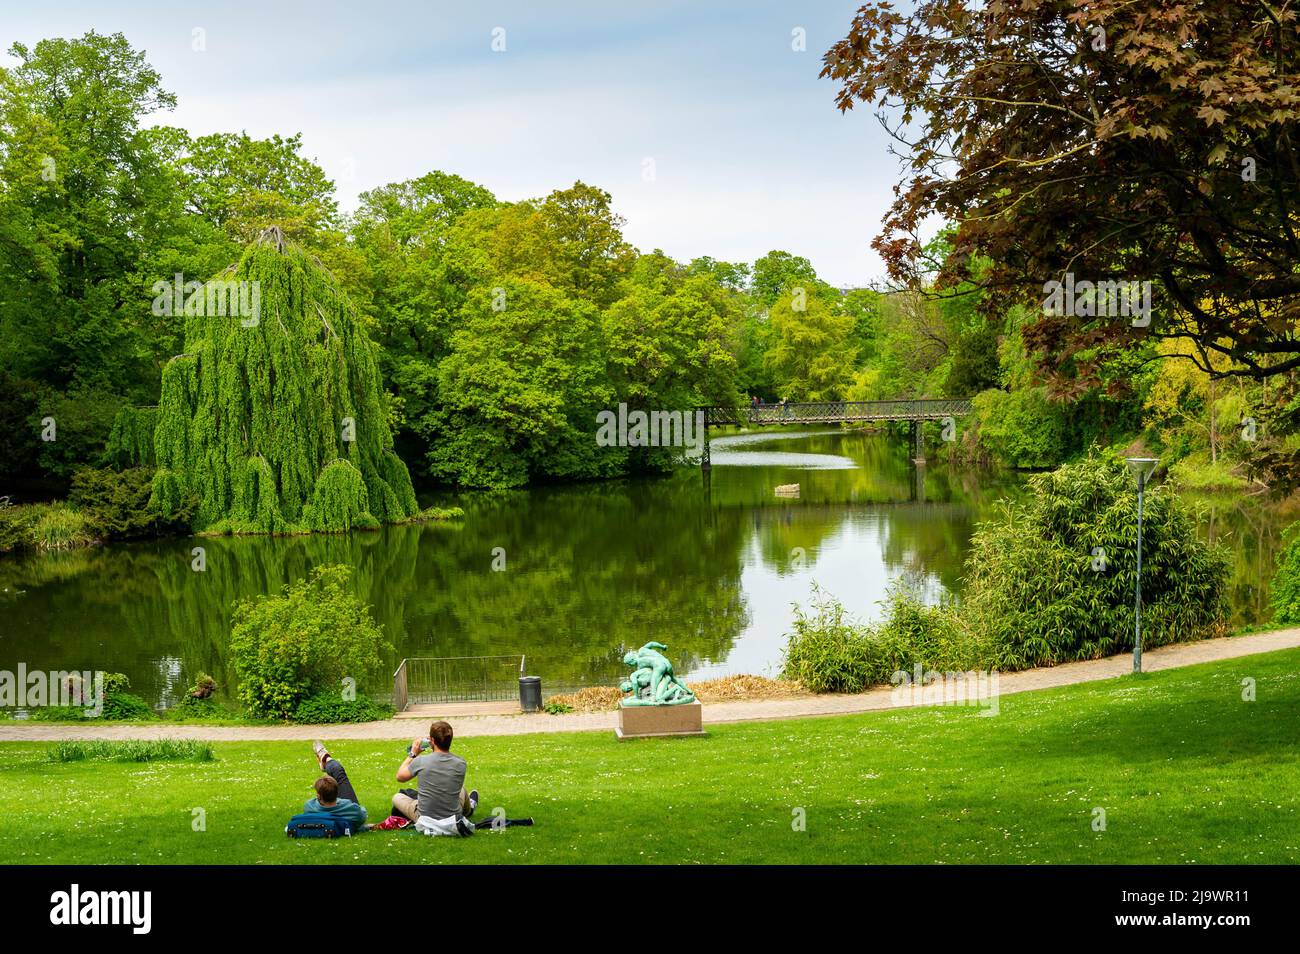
1051,579
136,750
303,642
15,528
829,653
190,709
123,705
331,708
826,652
116,503
1285,593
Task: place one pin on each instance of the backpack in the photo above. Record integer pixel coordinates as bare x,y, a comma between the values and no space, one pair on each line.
317,825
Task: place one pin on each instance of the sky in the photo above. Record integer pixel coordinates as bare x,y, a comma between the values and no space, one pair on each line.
713,134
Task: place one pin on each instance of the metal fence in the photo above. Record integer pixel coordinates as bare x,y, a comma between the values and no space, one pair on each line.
456,679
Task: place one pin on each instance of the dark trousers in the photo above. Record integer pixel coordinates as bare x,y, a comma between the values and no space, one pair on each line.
334,769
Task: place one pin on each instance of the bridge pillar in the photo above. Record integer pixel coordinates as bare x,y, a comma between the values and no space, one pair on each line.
704,458
918,442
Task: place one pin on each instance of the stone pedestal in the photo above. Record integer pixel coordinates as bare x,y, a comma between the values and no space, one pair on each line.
643,722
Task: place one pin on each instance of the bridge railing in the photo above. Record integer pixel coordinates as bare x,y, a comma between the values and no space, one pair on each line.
824,412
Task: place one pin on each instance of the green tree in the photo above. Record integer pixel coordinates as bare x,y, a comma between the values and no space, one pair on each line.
520,389
86,199
275,419
401,232
812,356
779,272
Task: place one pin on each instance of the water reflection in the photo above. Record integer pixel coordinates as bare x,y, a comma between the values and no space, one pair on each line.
707,562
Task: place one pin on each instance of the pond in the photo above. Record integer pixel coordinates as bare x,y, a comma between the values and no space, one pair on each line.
708,563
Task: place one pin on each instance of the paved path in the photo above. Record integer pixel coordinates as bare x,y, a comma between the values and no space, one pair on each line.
1167,657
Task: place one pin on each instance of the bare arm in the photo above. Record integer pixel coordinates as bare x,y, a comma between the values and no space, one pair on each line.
404,773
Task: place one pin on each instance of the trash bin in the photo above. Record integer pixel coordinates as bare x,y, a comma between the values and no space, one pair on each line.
530,693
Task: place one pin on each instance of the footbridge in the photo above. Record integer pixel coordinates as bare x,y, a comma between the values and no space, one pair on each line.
916,412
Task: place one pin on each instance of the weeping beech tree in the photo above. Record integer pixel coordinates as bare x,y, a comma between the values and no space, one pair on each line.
274,422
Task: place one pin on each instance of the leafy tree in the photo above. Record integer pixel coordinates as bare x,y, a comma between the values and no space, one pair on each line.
244,186
275,421
520,389
1022,428
733,275
86,199
1183,396
401,232
1117,141
865,305
778,272
812,356
584,241
671,348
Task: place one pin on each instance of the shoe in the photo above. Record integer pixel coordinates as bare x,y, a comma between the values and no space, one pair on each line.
473,803
322,754
464,828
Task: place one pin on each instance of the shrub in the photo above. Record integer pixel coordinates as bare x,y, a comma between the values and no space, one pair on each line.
116,503
123,705
116,682
1285,592
204,686
1051,579
190,709
135,750
827,652
302,642
15,528
331,708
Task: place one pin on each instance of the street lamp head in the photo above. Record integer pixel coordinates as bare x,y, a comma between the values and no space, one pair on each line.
1142,467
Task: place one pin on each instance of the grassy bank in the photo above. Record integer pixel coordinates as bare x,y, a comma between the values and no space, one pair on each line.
1185,770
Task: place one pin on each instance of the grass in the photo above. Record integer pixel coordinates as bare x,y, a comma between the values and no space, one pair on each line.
44,526
131,750
1184,769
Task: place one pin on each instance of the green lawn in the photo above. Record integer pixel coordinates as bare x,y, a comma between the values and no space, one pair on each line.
1185,770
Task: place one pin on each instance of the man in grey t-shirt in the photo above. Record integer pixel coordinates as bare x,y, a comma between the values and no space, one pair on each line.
440,802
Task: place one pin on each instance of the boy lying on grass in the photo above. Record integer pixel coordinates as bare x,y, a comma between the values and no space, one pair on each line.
334,792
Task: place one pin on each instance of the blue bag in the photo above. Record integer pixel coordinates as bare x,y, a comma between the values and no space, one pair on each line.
317,825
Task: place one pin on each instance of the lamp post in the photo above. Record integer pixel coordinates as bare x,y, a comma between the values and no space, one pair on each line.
1142,468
